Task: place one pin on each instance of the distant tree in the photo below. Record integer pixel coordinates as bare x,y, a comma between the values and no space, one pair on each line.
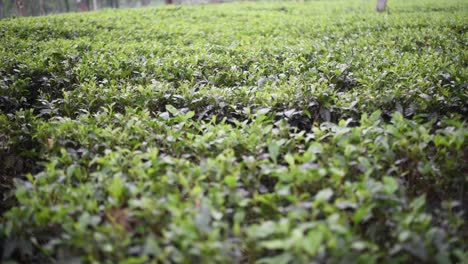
168,2
1,8
42,8
67,5
146,2
381,5
113,3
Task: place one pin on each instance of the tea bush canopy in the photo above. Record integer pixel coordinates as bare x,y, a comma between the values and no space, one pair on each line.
279,132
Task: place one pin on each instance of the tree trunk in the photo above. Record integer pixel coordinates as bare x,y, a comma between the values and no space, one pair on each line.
112,3
20,8
381,5
67,5
42,10
95,5
168,2
1,8
146,2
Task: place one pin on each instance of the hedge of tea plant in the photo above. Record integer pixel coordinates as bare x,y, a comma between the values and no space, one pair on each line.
317,132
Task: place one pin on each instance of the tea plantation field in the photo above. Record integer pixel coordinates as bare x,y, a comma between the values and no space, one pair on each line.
317,132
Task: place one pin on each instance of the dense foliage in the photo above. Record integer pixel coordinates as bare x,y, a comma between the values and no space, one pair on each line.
317,132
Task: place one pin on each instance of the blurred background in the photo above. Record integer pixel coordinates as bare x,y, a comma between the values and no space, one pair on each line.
10,8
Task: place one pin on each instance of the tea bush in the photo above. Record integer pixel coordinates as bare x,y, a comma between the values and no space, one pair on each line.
318,132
